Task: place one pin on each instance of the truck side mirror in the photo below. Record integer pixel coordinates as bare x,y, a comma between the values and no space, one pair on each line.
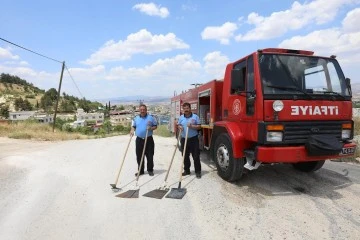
348,85
237,81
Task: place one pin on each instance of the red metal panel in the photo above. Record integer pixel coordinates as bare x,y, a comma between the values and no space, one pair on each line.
290,154
306,110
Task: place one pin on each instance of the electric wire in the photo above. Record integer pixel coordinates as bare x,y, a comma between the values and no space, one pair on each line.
31,50
47,58
74,81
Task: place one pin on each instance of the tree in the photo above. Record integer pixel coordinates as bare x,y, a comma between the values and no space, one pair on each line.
107,126
47,101
4,111
67,106
85,104
18,103
27,105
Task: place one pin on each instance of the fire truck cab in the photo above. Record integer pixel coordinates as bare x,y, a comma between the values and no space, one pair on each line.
273,106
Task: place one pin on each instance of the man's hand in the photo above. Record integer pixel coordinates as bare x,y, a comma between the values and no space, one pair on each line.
190,123
131,132
149,125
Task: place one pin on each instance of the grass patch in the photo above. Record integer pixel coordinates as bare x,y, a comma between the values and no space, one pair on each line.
163,131
36,131
33,130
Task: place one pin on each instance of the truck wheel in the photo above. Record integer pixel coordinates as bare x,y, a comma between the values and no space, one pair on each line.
228,168
309,166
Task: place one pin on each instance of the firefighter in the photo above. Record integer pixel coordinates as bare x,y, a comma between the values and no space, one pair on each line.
190,120
140,125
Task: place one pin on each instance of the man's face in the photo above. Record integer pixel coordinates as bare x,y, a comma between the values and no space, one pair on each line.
143,111
186,110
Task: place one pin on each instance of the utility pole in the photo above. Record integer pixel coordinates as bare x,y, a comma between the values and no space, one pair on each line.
58,94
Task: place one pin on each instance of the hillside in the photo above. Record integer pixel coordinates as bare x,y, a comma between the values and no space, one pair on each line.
9,92
17,94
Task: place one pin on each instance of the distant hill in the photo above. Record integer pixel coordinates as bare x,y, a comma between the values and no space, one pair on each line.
355,87
17,94
136,99
13,87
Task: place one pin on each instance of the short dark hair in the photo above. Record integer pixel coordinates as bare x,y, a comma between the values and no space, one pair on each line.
142,105
186,104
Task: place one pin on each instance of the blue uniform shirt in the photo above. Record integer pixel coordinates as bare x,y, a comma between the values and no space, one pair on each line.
140,124
194,120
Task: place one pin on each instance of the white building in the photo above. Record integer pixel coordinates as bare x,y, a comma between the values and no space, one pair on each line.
24,115
81,123
21,115
44,118
123,117
97,117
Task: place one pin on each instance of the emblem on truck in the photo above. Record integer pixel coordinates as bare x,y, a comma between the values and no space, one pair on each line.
236,107
314,110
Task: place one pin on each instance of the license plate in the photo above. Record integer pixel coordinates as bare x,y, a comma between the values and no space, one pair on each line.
347,151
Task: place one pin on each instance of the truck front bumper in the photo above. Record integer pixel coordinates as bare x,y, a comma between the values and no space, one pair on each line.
296,154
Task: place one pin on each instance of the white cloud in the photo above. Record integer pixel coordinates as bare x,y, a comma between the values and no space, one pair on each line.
43,80
152,10
160,78
215,64
351,21
343,42
6,54
20,63
222,33
141,42
163,70
299,15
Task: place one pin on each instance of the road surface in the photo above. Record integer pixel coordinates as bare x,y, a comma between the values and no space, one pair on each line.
60,190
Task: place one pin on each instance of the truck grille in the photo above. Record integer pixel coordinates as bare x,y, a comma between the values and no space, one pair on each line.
299,132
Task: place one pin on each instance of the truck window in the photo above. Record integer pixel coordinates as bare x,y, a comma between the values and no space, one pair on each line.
284,76
315,78
235,86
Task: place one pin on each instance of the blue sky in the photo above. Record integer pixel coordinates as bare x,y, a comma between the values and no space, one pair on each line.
126,48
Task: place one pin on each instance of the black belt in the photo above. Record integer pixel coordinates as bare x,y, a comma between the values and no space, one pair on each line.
144,138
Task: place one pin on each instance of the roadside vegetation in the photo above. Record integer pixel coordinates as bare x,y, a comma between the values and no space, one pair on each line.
163,131
31,129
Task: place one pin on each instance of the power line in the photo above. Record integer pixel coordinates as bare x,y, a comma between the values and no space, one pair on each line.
47,58
30,50
74,81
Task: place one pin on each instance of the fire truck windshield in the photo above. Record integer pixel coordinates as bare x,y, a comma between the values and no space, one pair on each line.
286,75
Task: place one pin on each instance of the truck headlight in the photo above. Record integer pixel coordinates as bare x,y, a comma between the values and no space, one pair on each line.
345,134
274,136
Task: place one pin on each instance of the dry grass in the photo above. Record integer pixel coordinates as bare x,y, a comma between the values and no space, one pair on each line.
31,130
163,131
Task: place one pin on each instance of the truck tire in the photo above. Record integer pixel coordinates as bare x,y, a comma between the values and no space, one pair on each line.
308,166
228,168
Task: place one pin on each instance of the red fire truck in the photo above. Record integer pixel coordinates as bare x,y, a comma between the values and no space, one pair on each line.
273,106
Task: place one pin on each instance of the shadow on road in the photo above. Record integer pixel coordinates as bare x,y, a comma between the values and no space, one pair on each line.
284,180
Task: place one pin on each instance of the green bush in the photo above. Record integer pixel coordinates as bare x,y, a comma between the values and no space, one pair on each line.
30,96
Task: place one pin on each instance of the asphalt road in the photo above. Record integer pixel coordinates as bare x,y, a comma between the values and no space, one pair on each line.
61,191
